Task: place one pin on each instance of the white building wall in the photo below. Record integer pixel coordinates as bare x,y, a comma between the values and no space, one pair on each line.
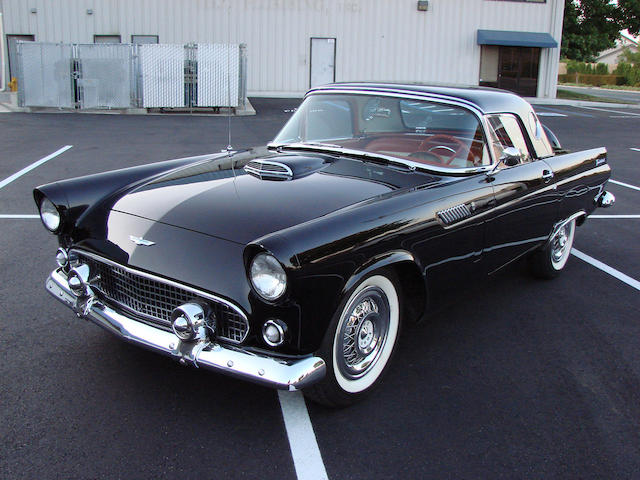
376,39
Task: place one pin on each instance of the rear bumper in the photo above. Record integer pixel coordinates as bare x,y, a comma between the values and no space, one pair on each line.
272,372
605,199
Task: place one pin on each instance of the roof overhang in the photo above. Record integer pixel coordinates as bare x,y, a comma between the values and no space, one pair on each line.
516,39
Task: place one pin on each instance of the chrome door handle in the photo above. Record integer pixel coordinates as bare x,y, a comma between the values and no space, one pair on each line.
547,175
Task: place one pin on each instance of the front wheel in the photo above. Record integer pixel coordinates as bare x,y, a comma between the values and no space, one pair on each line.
551,259
360,342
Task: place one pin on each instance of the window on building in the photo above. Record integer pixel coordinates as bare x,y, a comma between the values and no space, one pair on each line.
106,39
140,39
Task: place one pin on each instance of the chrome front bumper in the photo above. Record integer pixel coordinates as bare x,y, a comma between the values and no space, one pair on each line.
272,372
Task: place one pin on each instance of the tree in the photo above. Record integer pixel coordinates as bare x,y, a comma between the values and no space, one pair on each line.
590,27
630,15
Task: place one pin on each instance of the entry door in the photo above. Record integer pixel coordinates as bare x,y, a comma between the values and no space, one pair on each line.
13,52
323,61
518,70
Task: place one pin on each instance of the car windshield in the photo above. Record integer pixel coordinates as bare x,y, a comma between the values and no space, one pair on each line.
418,130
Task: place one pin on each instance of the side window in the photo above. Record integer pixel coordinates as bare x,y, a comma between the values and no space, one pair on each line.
508,134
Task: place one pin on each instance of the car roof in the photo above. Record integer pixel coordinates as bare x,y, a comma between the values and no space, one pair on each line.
485,99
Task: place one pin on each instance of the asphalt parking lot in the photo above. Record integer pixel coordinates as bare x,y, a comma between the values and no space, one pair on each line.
519,379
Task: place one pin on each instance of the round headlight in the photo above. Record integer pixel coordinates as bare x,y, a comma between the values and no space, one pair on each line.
49,215
267,276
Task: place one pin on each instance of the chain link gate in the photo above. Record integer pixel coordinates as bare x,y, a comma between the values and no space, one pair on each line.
106,76
45,74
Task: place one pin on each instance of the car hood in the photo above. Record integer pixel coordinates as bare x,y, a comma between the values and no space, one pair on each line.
212,198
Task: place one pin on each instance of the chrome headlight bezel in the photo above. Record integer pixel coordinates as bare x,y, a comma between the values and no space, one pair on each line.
268,277
49,215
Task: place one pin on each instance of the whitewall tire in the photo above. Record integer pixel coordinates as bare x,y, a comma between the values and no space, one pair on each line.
360,341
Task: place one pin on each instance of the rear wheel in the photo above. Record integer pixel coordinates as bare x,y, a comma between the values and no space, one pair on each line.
360,342
549,261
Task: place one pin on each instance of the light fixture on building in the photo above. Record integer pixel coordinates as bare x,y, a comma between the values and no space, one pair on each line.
89,11
423,5
34,10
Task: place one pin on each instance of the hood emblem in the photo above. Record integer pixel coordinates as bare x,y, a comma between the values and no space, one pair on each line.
141,241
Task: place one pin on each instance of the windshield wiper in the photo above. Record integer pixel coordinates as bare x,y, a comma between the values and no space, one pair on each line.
337,149
319,144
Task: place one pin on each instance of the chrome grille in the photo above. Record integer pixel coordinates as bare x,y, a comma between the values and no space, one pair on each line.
152,300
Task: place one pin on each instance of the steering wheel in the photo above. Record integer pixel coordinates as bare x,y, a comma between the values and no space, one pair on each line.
447,140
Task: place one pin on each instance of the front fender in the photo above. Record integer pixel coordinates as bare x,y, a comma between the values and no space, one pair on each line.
76,197
376,263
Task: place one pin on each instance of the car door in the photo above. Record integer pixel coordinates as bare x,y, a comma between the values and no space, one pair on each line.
450,235
526,198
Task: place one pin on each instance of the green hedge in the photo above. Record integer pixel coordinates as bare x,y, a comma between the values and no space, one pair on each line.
574,66
591,79
630,73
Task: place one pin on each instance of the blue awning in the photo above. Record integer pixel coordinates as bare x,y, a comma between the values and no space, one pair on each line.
516,39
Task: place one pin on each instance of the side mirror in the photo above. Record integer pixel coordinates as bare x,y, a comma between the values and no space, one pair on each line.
511,156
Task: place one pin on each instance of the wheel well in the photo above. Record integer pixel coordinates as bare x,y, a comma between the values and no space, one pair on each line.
413,289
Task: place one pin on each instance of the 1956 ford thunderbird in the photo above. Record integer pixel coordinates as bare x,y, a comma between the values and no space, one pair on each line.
295,265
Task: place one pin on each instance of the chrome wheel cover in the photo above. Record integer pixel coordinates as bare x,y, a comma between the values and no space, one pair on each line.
363,332
561,244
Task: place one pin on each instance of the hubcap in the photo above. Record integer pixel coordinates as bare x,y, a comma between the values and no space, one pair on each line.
559,244
363,332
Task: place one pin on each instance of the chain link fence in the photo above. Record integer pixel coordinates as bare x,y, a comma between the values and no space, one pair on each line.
110,76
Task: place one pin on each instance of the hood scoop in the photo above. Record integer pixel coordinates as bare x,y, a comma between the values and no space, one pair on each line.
287,167
269,170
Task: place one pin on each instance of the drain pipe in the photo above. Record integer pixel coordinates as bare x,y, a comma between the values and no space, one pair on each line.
3,67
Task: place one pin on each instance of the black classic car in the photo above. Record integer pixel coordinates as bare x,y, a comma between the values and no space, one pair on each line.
295,265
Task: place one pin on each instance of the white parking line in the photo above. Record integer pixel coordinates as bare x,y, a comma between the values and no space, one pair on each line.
614,216
607,269
302,440
19,216
611,111
10,179
550,114
624,184
636,149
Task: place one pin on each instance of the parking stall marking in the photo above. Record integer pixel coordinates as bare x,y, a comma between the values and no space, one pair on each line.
302,439
599,109
624,184
27,169
614,216
546,111
607,269
19,216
